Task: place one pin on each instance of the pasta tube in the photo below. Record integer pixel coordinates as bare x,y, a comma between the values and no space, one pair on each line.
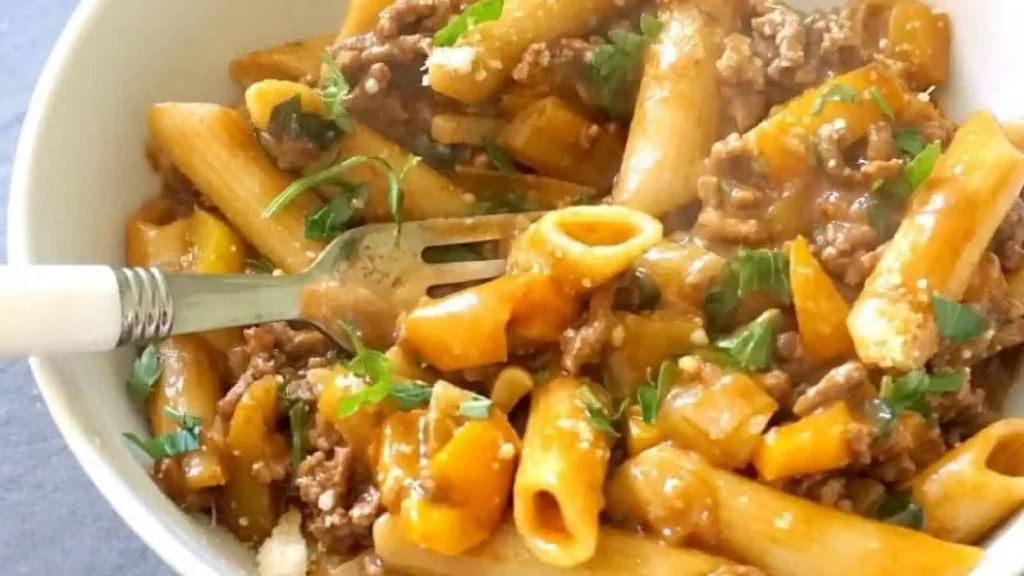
540,191
479,64
428,193
155,237
362,17
506,554
215,148
558,488
553,139
189,384
290,61
675,121
464,129
944,234
975,486
785,535
510,386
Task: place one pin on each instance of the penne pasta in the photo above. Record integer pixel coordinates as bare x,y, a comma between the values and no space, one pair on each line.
483,59
510,386
217,151
912,34
553,139
975,486
558,488
506,554
427,192
789,536
465,129
154,236
940,242
539,192
815,443
675,121
190,385
289,61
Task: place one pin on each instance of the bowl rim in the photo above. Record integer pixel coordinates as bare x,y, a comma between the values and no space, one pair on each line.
174,549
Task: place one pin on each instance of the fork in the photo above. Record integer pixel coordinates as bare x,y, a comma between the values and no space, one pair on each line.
64,309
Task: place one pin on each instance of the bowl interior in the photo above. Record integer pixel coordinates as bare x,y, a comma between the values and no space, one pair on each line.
80,171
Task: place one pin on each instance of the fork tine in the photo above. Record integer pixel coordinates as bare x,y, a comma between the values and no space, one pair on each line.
467,230
458,272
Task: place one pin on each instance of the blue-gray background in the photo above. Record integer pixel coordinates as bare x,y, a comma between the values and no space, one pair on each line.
53,522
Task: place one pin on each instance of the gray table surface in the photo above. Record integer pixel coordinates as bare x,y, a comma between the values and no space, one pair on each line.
53,522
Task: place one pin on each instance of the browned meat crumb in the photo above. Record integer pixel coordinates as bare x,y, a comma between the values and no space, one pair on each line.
862,267
1008,242
742,74
292,154
837,384
341,506
582,345
271,470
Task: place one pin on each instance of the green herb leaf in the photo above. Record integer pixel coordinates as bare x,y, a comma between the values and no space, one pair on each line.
370,365
290,122
902,510
396,198
145,372
883,416
957,322
326,175
835,93
909,392
910,141
329,220
748,271
753,346
616,66
185,439
334,89
512,202
597,413
920,166
499,157
474,14
297,419
409,395
477,408
879,100
650,394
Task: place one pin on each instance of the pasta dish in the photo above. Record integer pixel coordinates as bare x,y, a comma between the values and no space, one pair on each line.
759,318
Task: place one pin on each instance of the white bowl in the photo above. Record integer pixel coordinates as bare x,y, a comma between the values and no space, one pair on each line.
80,170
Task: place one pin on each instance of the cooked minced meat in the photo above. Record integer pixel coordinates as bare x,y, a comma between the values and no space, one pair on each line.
341,504
839,383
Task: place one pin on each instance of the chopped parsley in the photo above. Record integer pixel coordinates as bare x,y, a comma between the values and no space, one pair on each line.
326,222
748,271
499,157
957,322
474,14
910,141
410,395
836,93
333,172
902,510
616,65
753,346
883,106
511,202
598,415
298,415
921,165
909,393
476,408
290,122
146,371
334,90
650,394
370,365
184,439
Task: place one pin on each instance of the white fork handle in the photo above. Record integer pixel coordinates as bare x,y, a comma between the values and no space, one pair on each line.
58,309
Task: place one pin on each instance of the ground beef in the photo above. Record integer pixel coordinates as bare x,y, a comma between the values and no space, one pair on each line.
777,384
862,266
584,344
293,154
557,64
842,235
271,470
1008,242
800,51
742,75
837,384
851,493
273,348
733,199
341,505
